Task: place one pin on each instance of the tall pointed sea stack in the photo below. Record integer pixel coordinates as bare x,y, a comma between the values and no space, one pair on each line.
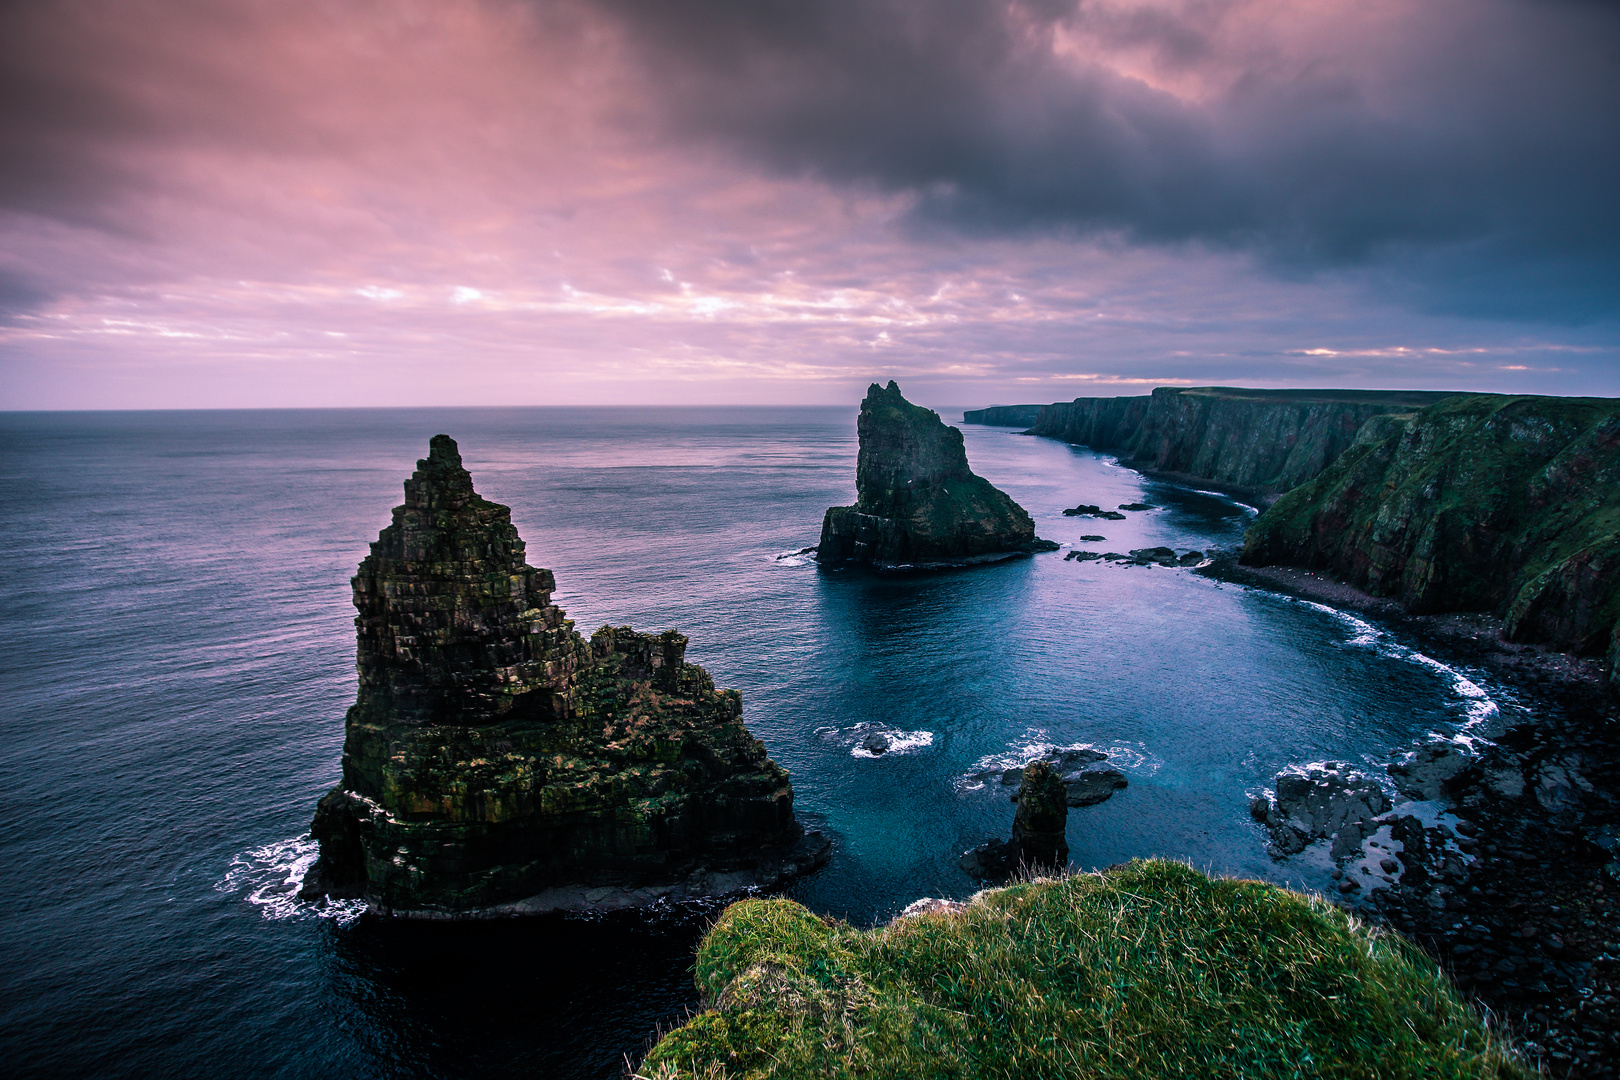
917,502
496,762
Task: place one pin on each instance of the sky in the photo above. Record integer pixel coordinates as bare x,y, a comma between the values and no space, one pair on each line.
269,203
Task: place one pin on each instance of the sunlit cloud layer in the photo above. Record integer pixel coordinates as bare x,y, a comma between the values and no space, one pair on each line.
477,202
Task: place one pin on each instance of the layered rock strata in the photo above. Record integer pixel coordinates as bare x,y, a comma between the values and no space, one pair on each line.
1261,442
497,762
917,502
1482,503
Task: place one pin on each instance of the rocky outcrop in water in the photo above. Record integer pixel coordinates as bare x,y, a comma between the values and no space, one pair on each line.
917,502
1331,801
1261,442
497,762
1039,832
1483,503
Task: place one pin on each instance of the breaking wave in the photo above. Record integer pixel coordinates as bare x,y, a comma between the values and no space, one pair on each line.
268,878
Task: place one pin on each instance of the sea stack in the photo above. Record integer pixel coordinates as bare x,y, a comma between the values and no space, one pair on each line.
496,762
917,502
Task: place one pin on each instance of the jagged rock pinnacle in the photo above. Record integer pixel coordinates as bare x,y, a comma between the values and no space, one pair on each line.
496,762
917,502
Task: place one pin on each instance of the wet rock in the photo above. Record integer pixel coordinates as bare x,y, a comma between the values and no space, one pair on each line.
917,502
1135,506
992,860
1191,558
1083,556
1088,787
1093,539
876,743
1064,760
1322,801
1083,510
1042,817
1425,773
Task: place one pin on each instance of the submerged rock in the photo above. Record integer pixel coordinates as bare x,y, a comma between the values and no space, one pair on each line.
917,500
1088,787
496,762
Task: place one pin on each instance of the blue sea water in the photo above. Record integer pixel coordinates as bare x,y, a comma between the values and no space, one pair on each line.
176,654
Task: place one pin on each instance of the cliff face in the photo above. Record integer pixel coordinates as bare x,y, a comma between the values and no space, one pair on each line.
497,762
1004,415
1481,503
917,500
1259,441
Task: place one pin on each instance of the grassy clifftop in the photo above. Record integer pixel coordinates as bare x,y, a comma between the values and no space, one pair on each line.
1146,971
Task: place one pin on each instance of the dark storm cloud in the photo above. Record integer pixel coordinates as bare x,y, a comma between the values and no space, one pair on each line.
1468,149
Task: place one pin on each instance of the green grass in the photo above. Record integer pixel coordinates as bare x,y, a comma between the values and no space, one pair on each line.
1146,970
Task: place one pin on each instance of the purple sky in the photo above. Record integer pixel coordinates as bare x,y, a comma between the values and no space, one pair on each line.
482,202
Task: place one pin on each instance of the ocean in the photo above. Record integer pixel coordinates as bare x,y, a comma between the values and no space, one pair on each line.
177,652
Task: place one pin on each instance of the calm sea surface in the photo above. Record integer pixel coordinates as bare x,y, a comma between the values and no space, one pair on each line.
176,654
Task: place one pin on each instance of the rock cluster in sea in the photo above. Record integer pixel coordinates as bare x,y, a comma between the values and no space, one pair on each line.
497,762
1047,787
917,502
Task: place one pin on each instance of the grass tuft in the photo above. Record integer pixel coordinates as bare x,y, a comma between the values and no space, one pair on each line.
1147,970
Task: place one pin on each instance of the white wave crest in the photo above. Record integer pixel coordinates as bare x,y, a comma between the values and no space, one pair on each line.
1132,756
900,742
268,878
802,557
1478,706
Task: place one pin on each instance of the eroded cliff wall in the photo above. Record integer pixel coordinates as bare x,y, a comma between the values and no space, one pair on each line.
1004,415
1258,441
1482,503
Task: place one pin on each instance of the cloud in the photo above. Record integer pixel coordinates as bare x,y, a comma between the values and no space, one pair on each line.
326,201
1467,147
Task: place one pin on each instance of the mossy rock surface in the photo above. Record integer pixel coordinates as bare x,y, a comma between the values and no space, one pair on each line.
1146,971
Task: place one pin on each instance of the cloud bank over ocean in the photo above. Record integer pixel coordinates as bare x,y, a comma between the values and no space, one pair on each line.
242,202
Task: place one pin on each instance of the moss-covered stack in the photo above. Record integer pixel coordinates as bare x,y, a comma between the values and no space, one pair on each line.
917,502
1482,503
496,762
1143,972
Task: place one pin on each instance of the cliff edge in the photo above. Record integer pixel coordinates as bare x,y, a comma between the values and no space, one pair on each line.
1484,503
917,502
1144,971
496,762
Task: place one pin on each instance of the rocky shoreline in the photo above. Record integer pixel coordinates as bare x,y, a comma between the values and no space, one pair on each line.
1503,866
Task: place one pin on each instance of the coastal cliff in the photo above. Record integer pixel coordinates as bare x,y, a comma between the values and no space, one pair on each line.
1004,415
1259,442
917,502
1483,503
497,762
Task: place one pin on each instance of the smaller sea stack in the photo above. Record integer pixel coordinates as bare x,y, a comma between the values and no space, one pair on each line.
1039,841
917,501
